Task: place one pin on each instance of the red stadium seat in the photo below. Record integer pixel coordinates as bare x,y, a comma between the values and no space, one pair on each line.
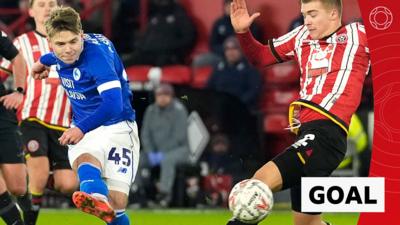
275,100
177,74
138,73
201,76
275,123
283,73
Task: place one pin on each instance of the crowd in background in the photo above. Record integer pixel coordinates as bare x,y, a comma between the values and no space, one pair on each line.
233,90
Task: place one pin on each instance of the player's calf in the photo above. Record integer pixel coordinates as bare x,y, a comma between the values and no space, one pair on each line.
91,180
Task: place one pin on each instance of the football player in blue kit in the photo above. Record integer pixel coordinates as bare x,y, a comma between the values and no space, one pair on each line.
103,141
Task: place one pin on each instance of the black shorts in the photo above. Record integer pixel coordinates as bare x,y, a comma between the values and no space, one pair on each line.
40,140
318,150
10,138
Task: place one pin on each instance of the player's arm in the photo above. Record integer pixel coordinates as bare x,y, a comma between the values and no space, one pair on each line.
14,99
19,70
10,52
101,67
41,68
258,54
7,49
112,96
277,51
111,106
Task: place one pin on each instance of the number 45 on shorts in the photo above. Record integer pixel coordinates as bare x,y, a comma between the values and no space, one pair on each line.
120,156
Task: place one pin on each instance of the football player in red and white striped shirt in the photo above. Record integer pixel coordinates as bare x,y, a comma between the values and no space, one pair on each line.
333,60
12,167
44,112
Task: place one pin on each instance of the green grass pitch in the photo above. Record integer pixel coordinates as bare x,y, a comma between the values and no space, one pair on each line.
178,217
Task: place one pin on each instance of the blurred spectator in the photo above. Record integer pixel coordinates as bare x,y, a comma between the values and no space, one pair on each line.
168,37
235,76
125,24
221,30
223,168
164,138
298,21
220,158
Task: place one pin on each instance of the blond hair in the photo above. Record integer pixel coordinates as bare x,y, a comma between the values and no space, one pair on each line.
329,4
63,19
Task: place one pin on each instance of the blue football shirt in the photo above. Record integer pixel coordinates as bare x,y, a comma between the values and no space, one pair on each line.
98,69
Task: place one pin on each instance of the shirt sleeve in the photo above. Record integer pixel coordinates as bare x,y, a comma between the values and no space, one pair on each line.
104,112
283,47
48,59
103,70
7,49
258,54
363,37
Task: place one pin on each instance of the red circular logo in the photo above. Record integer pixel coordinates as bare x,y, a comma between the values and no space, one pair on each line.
32,145
341,38
381,18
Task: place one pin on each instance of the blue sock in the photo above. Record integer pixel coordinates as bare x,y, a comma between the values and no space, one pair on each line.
120,219
90,180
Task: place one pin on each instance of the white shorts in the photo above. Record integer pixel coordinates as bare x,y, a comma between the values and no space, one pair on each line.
117,148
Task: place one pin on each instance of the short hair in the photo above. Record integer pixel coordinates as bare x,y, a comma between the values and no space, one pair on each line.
63,19
329,3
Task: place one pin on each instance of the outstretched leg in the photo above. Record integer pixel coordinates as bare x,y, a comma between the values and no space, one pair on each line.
93,195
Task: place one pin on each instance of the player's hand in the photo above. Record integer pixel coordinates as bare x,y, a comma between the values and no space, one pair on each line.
240,18
40,71
12,101
71,136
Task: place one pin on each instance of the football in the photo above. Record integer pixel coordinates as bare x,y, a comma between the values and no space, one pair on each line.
250,201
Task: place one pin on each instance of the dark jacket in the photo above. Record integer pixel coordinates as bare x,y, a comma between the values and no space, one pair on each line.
8,51
222,29
240,80
168,37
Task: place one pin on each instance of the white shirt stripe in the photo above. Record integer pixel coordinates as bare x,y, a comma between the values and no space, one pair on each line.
50,104
346,65
46,88
109,85
283,39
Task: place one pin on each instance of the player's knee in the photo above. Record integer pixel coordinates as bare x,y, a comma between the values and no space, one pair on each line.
66,188
17,190
262,174
270,175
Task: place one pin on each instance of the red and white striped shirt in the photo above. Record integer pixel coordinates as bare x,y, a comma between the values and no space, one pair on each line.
45,100
333,69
